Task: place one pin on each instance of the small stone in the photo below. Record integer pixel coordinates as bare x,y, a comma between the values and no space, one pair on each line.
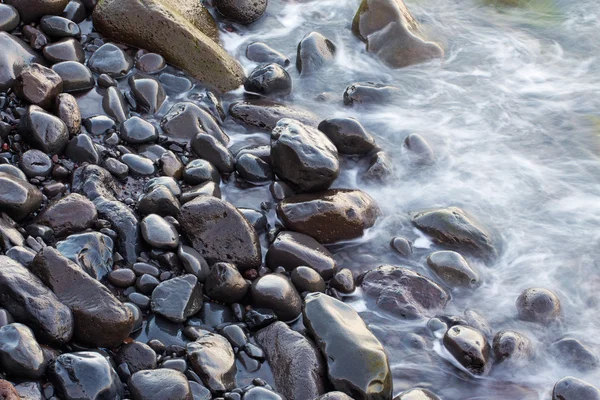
193,262
348,135
58,27
70,214
469,347
68,111
20,353
570,388
276,292
138,356
343,281
419,151
511,345
122,278
159,233
538,305
44,131
82,149
417,394
212,358
261,53
209,148
314,52
178,299
138,165
571,352
9,18
402,246
151,63
306,279
18,198
199,171
68,49
148,92
33,10
38,85
224,283
92,251
269,79
160,384
113,103
111,60
453,269
35,163
242,12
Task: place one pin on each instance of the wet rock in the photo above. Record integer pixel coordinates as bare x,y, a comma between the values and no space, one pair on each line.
219,232
346,341
136,130
85,375
64,50
148,92
58,27
177,299
348,135
538,305
160,384
469,347
208,148
99,125
182,32
261,53
171,165
35,37
314,51
402,246
392,33
111,60
306,279
368,93
511,345
20,354
420,153
165,181
276,292
298,367
253,169
454,227
70,214
193,262
207,188
199,171
380,168
265,114
92,251
29,391
570,352
453,269
16,55
8,391
125,223
335,396
113,103
9,233
75,11
12,170
117,168
9,18
404,292
159,233
343,281
212,358
417,394
139,165
82,149
35,163
330,216
18,198
138,356
32,10
256,218
151,63
38,85
68,111
242,12
122,278
185,120
44,131
26,298
224,283
570,388
303,156
93,182
159,200
100,319
269,79
292,249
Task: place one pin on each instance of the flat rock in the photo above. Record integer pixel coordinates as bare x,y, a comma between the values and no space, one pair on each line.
212,358
16,55
92,251
178,298
73,213
160,384
264,114
18,198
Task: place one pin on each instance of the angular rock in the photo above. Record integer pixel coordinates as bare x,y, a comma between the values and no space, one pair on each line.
137,355
469,347
381,168
20,353
225,284
113,103
346,341
538,305
193,262
82,149
298,367
64,50
212,358
181,31
276,292
44,131
348,135
9,234
199,171
18,198
209,148
92,251
159,200
32,10
38,85
136,130
177,299
404,292
570,388
330,216
219,232
94,181
16,54
160,384
100,318
314,51
453,269
148,92
70,214
264,114
184,120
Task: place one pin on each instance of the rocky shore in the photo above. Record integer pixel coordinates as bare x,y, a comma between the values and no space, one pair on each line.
128,272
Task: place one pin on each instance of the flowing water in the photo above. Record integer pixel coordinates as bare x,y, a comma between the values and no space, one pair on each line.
513,115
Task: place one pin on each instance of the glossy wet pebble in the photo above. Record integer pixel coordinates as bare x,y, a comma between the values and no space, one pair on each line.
538,305
306,279
242,12
469,347
68,49
276,292
75,76
262,53
570,388
38,85
111,60
224,283
35,163
59,27
159,233
160,384
453,269
269,79
9,18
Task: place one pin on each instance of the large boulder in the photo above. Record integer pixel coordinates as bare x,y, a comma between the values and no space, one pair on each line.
16,54
183,31
392,33
357,362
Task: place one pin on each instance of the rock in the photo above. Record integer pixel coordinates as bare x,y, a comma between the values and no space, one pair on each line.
13,170
404,292
513,346
136,130
417,394
165,181
335,396
420,153
171,165
9,233
68,112
75,11
117,168
16,55
159,200
183,32
253,169
148,92
100,319
82,149
570,352
178,298
298,367
151,63
209,148
139,165
94,181
380,168
538,305
261,53
453,269
35,163
38,85
18,198
185,120
20,354
330,216
138,357
276,292
225,284
212,358
265,114
28,391
35,37
392,33
122,278
346,341
343,281
159,233
469,347
125,223
219,232
44,131
59,27
111,60
306,279
32,10
314,51
193,262
348,135
113,103
26,298
269,79
199,171
303,157
368,93
292,249
64,50
207,188
160,384
242,12
8,391
70,214
85,375
569,388
452,226
9,18
92,251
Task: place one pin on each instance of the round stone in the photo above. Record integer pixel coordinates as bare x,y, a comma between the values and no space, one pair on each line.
306,279
35,163
135,130
538,305
159,233
276,292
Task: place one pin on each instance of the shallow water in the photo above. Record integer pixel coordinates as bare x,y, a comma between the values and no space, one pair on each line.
513,115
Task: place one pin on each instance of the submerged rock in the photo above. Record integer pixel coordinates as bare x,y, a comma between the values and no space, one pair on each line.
369,93
264,114
348,135
261,53
571,352
538,305
417,394
212,358
16,54
314,51
469,347
513,346
330,216
420,152
404,292
346,342
570,388
453,269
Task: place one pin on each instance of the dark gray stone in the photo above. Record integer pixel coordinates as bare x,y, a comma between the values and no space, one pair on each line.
184,120
261,53
469,347
68,49
20,354
570,388
35,163
148,91
348,135
453,269
9,18
159,200
113,103
276,292
538,305
16,55
111,60
209,148
92,251
160,384
264,114
159,233
59,27
225,284
242,12
314,52
269,80
18,198
306,279
212,358
178,299
82,149
44,131
73,213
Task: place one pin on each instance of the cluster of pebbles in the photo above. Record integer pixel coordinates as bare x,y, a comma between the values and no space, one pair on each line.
124,274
